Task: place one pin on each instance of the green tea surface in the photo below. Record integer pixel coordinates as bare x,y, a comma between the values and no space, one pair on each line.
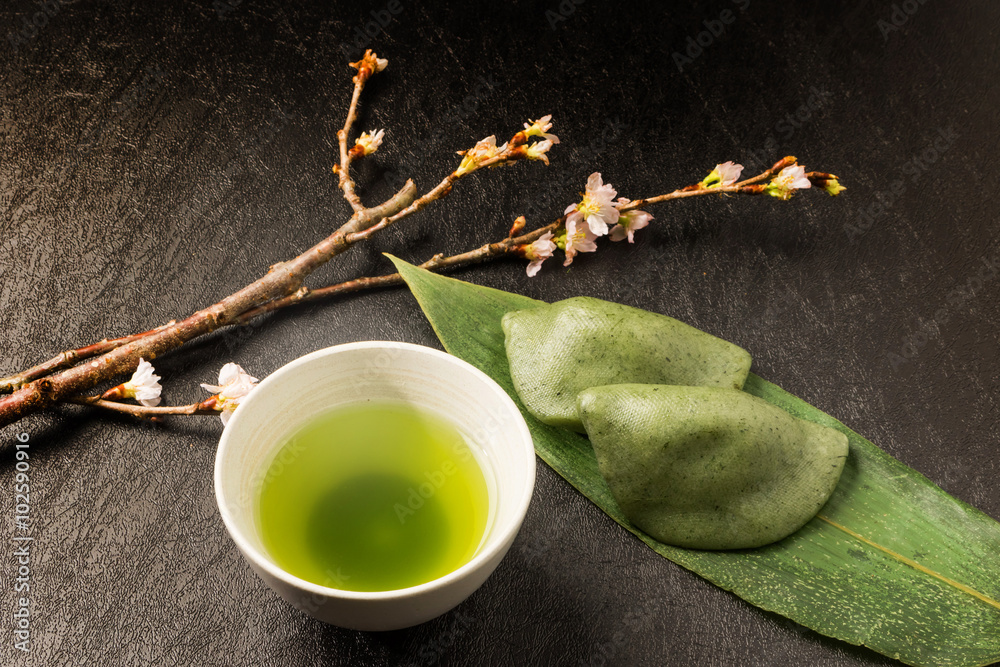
374,496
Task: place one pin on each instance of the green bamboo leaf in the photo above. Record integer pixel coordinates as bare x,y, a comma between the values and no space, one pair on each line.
892,562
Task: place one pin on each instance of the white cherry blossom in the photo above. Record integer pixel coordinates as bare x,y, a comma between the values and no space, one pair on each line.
540,128
369,143
234,384
144,385
788,179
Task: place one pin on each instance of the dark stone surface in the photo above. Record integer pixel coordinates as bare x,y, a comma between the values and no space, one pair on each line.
157,156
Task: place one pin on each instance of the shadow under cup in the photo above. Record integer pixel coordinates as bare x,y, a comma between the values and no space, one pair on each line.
430,381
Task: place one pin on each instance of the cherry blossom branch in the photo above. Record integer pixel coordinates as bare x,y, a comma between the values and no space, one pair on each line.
581,224
510,245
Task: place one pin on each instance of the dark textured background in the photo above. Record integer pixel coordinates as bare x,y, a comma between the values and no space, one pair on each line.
157,156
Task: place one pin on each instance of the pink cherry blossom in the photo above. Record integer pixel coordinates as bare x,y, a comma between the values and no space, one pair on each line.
788,179
628,224
579,238
538,150
793,178
483,150
538,252
597,206
723,175
729,172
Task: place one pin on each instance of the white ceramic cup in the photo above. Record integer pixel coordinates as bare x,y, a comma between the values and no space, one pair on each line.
432,380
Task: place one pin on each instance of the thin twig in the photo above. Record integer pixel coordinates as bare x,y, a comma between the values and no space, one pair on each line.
439,191
346,182
743,187
283,284
439,262
142,410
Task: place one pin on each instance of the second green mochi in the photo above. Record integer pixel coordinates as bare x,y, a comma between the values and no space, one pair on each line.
558,350
709,468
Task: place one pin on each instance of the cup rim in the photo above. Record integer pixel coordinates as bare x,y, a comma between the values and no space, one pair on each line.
493,547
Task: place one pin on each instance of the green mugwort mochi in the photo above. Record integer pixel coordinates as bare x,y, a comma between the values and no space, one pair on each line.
710,468
558,350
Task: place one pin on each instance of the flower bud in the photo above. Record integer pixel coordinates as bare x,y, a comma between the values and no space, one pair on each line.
369,64
518,225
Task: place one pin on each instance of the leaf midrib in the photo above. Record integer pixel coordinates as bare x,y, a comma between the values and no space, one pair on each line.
912,563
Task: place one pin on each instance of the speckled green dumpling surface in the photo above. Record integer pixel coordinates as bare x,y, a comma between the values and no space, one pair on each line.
710,468
558,350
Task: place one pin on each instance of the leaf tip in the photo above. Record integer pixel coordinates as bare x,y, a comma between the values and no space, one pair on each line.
400,264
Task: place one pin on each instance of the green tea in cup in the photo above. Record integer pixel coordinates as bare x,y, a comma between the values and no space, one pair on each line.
375,485
374,496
